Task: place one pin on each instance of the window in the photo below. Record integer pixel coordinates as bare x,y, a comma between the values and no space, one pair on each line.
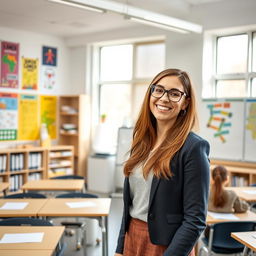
231,72
124,75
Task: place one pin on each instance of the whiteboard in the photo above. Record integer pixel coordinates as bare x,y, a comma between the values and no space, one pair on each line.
250,131
222,124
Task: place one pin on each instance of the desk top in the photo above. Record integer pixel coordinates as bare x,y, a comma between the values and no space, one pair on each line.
31,210
52,235
247,216
246,193
72,185
57,207
4,186
246,238
26,252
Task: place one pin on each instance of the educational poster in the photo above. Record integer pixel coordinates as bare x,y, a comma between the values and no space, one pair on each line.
48,106
9,65
250,131
29,73
222,124
49,56
48,78
8,116
28,117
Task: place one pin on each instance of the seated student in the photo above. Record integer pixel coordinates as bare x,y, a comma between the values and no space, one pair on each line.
220,199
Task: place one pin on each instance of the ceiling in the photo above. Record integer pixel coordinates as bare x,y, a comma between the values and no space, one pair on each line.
44,17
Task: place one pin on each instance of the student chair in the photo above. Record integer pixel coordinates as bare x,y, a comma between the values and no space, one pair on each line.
79,226
26,195
32,222
220,240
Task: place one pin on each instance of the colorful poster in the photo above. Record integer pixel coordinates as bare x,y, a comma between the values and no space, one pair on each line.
48,78
9,65
29,73
8,116
49,56
48,106
28,117
222,124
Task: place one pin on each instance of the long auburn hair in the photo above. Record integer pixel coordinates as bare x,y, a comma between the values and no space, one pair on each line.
144,134
219,175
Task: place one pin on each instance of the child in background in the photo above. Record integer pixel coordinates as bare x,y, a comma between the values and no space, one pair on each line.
220,199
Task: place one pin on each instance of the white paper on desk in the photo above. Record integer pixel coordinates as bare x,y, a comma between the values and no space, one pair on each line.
14,206
22,238
251,192
225,216
80,204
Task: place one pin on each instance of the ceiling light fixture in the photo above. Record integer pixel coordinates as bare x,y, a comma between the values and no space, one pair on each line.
136,14
78,5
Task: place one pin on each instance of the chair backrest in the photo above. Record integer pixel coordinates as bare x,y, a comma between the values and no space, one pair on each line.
26,195
76,195
222,233
25,222
68,177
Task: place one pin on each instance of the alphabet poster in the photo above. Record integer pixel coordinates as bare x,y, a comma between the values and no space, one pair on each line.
222,124
8,116
28,117
9,65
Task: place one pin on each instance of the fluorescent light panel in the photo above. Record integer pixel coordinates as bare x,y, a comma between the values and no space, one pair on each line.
137,14
78,5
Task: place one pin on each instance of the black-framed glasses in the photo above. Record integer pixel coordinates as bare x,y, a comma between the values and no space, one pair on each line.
173,94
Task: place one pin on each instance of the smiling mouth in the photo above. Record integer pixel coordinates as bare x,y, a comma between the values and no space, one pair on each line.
163,108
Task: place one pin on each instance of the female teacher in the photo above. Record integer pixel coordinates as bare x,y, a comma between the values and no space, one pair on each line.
167,175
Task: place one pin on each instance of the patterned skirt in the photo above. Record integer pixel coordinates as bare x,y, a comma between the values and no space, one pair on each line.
137,241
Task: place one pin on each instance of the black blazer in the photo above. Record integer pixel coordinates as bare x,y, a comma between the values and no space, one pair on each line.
178,206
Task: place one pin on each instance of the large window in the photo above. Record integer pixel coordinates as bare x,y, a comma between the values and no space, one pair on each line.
125,73
232,70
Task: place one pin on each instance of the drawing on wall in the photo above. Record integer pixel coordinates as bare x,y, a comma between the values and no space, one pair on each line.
9,64
8,116
49,56
48,77
29,73
251,120
220,119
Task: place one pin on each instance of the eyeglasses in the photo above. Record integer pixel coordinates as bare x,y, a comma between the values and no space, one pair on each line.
174,95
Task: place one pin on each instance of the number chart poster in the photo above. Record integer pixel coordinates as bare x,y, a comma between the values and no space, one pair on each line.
222,124
28,117
48,106
29,73
250,130
9,65
8,116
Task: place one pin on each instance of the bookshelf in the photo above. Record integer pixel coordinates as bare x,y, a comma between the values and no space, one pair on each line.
60,161
74,128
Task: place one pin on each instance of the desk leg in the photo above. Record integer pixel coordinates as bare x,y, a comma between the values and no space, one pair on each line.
104,230
245,251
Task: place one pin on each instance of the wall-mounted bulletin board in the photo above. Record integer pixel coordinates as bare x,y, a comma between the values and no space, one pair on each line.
229,126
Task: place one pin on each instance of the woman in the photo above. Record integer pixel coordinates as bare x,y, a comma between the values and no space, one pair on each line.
167,174
220,199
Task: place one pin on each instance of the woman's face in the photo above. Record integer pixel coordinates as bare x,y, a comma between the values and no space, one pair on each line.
164,110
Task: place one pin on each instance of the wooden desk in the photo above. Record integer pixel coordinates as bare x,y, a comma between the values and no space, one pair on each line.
57,207
247,216
4,186
56,185
241,193
247,239
26,252
31,210
52,235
